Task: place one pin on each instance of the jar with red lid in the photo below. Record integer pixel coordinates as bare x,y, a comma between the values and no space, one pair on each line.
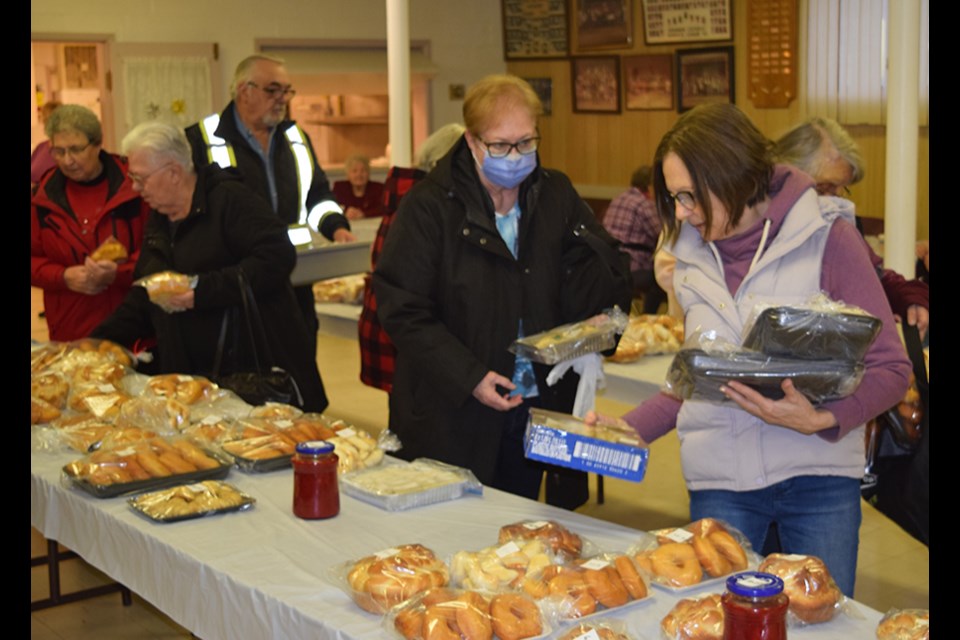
316,493
754,607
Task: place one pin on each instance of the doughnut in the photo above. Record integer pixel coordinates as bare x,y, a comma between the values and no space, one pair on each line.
472,615
606,586
695,619
710,559
409,622
704,527
644,562
676,564
440,623
730,549
813,593
909,624
572,587
515,616
635,585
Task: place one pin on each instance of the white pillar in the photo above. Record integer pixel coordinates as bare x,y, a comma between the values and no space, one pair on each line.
398,81
903,97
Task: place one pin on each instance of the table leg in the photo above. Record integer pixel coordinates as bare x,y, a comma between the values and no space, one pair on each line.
52,560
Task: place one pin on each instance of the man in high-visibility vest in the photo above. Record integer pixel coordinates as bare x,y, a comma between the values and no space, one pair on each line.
274,155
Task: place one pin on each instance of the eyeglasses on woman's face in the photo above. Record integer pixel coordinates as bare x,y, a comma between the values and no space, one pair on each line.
685,198
500,149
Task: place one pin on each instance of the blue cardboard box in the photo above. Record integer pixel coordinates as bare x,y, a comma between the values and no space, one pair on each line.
566,441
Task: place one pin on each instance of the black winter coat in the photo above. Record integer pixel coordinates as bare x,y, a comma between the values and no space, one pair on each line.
228,229
451,296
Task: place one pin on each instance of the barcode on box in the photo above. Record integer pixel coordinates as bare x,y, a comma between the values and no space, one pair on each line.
606,456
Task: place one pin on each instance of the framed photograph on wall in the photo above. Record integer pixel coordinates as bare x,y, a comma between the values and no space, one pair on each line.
596,84
704,76
604,24
544,89
674,21
535,29
648,82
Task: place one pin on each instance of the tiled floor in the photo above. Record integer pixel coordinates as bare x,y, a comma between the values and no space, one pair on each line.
893,568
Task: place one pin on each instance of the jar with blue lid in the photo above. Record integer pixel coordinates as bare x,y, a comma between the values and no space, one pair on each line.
316,492
754,607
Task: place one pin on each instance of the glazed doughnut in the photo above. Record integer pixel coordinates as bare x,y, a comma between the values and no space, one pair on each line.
631,577
440,623
572,587
695,619
409,622
909,624
704,527
472,612
606,586
730,549
813,593
710,559
644,562
515,616
676,564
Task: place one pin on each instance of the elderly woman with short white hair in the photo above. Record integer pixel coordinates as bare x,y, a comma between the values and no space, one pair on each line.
209,224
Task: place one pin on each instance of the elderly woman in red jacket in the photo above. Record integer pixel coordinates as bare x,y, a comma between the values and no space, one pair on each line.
84,202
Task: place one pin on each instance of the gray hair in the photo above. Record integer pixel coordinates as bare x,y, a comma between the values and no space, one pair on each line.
802,146
245,70
161,139
437,145
356,158
73,118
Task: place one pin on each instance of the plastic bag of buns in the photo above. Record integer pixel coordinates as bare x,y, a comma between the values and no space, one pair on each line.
904,624
597,629
110,249
648,335
164,285
814,596
700,618
583,587
384,579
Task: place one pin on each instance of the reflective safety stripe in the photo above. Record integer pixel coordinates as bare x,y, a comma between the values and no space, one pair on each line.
219,150
304,167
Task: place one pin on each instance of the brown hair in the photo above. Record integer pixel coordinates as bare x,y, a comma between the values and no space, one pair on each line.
725,154
495,94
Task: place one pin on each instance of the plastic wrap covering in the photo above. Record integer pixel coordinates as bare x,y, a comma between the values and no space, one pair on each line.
567,341
188,501
698,375
812,333
402,485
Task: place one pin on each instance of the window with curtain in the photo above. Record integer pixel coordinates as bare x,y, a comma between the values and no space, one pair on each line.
171,89
846,70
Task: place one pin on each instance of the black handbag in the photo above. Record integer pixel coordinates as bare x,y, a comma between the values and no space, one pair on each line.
263,384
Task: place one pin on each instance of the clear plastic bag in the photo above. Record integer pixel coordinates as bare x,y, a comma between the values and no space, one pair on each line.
904,624
189,501
821,329
403,485
567,341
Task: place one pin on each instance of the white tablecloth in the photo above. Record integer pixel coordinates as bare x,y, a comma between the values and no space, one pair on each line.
265,574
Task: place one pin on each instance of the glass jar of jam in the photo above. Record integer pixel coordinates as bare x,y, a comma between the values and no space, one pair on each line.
754,607
315,490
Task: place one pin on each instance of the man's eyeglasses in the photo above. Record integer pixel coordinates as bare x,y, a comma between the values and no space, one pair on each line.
142,180
685,198
275,91
500,149
75,150
829,189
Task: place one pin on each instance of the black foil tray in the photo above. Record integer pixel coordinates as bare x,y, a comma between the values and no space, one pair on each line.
812,335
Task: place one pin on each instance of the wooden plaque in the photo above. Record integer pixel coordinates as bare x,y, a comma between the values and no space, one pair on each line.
772,52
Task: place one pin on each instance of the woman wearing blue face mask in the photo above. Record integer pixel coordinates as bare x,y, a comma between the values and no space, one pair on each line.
488,247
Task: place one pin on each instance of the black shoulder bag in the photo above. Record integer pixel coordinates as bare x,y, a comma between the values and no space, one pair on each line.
263,384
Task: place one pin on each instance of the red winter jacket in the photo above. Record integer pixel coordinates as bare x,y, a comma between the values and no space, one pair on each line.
61,237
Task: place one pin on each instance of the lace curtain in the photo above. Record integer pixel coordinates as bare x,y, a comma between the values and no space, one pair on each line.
171,89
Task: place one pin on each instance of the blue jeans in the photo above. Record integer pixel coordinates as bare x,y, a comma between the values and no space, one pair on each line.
815,515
